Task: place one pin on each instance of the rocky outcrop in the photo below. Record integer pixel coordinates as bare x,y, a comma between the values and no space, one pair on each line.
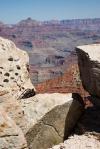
42,118
87,127
14,75
15,84
89,65
11,136
45,119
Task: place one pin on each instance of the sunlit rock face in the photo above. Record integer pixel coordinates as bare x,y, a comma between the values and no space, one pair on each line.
89,65
77,142
14,75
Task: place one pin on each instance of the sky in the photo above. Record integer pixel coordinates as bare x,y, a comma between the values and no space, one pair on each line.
12,11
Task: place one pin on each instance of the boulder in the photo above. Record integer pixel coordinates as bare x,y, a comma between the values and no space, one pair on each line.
89,65
11,136
46,115
14,75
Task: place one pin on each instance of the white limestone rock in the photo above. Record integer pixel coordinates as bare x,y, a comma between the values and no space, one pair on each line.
14,75
79,142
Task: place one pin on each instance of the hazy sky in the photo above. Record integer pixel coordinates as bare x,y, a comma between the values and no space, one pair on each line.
12,11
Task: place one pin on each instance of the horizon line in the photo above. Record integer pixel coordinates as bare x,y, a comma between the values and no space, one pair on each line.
48,20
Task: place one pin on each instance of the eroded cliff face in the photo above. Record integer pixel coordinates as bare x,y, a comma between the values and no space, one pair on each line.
69,82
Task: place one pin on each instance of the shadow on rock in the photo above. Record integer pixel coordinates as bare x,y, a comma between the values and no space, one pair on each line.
75,112
90,120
